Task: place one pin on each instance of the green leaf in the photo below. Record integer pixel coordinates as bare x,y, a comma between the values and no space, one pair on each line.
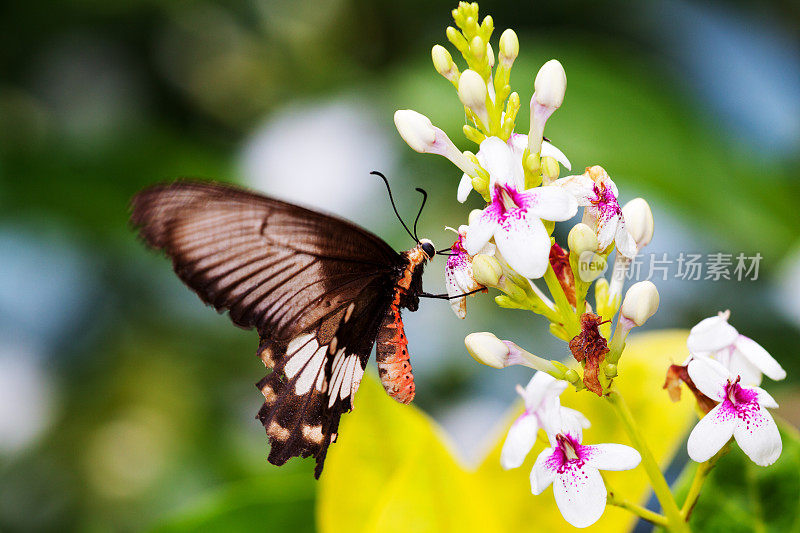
741,496
393,470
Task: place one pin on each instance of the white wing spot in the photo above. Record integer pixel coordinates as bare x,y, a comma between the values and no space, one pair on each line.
299,352
268,393
310,372
344,389
358,373
277,431
349,312
313,433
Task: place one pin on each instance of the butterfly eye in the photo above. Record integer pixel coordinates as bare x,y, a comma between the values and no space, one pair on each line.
427,247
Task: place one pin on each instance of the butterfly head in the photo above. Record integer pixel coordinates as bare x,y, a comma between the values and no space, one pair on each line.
427,248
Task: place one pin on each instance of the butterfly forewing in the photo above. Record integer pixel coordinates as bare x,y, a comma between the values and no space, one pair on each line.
315,287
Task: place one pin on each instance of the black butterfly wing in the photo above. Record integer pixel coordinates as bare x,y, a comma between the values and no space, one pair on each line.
315,287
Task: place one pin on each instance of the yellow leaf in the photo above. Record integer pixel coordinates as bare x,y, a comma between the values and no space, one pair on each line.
393,471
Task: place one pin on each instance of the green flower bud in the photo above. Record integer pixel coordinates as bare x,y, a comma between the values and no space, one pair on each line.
550,170
571,376
509,48
443,63
486,270
611,371
581,239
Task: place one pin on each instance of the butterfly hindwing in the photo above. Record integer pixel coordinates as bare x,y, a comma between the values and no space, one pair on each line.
315,287
313,381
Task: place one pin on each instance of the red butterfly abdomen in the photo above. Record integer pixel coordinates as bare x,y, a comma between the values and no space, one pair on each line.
394,365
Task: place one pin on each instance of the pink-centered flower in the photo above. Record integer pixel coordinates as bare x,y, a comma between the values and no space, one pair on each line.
742,356
574,471
741,414
514,216
543,410
596,192
458,275
517,143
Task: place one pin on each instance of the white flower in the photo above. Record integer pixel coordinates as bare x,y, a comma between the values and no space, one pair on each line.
574,471
741,414
458,274
517,142
741,355
514,216
542,410
595,191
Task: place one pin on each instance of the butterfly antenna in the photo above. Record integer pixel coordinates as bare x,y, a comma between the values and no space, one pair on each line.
391,199
424,198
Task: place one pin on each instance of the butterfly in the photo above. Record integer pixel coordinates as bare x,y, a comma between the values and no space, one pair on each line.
319,290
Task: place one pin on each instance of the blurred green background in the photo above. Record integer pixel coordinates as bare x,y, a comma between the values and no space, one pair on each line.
127,405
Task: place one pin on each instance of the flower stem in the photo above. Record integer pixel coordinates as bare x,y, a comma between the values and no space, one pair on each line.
675,521
700,476
638,510
571,324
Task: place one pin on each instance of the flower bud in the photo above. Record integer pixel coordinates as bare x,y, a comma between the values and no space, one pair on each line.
472,92
550,85
509,48
487,349
639,221
640,303
572,376
443,63
478,47
490,55
582,239
486,270
610,370
549,88
415,129
550,170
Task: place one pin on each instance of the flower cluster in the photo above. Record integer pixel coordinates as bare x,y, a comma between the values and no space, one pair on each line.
507,245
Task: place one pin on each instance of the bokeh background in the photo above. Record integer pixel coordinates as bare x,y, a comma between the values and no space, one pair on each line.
124,401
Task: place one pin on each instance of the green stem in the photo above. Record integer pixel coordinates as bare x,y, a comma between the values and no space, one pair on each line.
560,299
675,521
638,510
700,476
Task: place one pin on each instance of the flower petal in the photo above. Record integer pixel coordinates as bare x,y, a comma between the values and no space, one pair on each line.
711,334
709,376
497,159
580,495
607,227
711,433
548,203
758,437
541,387
578,418
544,470
464,188
479,233
739,365
580,187
519,441
525,245
624,241
765,398
548,150
757,355
458,305
611,456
